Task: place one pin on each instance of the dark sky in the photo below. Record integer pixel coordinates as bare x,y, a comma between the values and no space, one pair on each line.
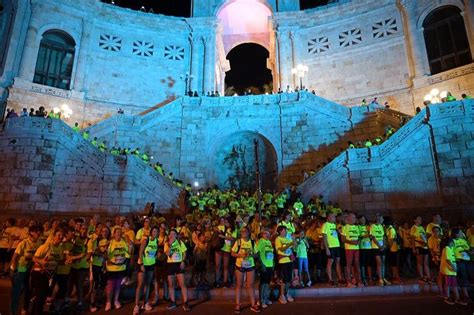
183,7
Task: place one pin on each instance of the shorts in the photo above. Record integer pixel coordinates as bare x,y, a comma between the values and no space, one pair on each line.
365,257
174,269
286,271
147,268
111,275
352,255
392,258
335,252
422,251
462,274
266,275
377,252
244,270
450,281
303,265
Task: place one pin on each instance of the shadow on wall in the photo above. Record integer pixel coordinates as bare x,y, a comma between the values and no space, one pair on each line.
315,158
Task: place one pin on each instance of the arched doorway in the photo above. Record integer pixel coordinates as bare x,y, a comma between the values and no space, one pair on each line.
248,70
234,162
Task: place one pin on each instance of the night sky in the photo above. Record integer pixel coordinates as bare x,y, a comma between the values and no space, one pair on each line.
183,7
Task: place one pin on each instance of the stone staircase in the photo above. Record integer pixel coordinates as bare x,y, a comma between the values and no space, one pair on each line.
427,164
46,166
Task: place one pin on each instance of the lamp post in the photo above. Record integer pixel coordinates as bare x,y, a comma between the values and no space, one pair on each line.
187,78
300,71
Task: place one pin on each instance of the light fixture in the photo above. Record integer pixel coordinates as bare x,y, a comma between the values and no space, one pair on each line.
56,110
300,71
443,94
196,184
428,97
434,92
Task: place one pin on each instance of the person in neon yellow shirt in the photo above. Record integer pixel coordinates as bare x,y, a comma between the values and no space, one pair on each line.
365,251
146,262
176,252
266,255
46,259
284,246
302,257
222,257
287,222
448,270
420,249
435,223
244,250
80,265
463,259
377,236
350,236
116,265
97,247
20,265
332,246
434,245
393,249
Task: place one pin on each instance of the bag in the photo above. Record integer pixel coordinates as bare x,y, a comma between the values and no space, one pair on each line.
216,241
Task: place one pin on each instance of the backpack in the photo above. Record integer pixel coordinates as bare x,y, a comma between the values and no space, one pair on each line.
216,241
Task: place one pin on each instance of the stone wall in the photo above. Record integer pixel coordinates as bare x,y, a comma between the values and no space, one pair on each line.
426,165
303,129
46,167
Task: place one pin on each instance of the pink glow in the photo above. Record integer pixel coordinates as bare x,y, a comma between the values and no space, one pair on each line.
244,17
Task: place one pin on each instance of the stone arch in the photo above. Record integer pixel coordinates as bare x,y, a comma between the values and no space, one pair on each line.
221,173
228,2
433,6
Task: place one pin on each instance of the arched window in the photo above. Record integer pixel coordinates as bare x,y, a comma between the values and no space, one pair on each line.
446,39
55,60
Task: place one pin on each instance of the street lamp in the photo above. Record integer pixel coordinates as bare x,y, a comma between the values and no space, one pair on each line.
435,96
187,78
300,71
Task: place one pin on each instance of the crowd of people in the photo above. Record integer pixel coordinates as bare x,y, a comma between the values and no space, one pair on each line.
289,246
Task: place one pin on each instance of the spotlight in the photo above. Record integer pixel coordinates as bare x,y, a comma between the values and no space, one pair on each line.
443,94
196,184
428,97
143,9
434,92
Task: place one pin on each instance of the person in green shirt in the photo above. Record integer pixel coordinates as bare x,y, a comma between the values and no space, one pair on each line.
365,250
448,270
94,142
20,266
61,278
80,265
284,246
332,246
76,128
350,235
266,255
466,97
378,239
46,260
302,257
463,260
85,135
146,262
103,146
97,247
243,251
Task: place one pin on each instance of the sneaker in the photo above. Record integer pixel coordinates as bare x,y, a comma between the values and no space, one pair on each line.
381,283
421,281
108,307
289,298
171,306
93,309
332,284
117,305
282,300
386,282
255,308
448,301
264,305
350,285
268,302
136,310
461,302
309,283
186,307
148,307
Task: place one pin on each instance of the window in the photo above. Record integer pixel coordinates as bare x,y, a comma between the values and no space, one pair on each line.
310,4
55,60
446,39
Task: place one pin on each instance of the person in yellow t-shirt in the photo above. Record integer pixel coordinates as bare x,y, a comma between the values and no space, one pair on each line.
116,265
434,245
176,252
378,239
266,255
6,245
46,259
315,239
420,249
283,246
332,247
244,250
463,259
448,270
393,249
20,265
80,265
365,251
435,223
97,247
350,235
222,257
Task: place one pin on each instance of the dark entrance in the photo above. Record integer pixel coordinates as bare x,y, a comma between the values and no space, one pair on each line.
248,70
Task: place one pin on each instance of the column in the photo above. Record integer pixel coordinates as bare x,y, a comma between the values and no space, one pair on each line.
80,75
415,40
30,50
285,59
209,59
196,45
